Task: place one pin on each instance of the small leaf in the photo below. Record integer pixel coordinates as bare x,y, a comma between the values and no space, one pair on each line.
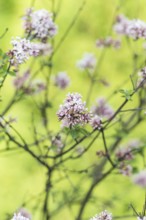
12,73
126,93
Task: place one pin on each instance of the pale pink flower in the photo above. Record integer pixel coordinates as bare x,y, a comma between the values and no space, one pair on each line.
125,169
57,143
45,49
140,178
141,218
73,111
121,25
35,87
134,28
88,62
102,108
22,50
62,80
24,213
96,122
19,217
19,81
40,24
124,153
127,152
104,215
108,42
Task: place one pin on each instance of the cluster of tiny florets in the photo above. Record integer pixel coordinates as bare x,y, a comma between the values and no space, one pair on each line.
62,80
35,87
73,111
19,216
127,152
140,178
19,81
39,24
104,215
108,42
102,108
22,50
125,169
124,153
96,122
45,49
88,62
57,143
134,28
141,218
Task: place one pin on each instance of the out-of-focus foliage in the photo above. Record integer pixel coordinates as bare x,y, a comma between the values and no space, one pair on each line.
21,176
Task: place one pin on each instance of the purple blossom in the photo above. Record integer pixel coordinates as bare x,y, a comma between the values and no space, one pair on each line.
140,178
19,81
126,170
24,213
121,25
124,153
88,62
35,87
39,24
96,122
61,80
104,215
73,111
45,49
134,28
102,108
22,50
57,142
108,42
19,217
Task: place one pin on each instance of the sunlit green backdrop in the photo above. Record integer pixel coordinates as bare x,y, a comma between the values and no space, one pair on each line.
21,177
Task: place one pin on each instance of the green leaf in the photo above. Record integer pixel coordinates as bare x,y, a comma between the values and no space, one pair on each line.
12,73
74,133
127,94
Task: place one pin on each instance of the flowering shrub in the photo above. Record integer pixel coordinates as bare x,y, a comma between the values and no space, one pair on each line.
83,141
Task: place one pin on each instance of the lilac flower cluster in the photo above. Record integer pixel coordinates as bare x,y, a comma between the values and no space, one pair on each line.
124,154
39,24
140,178
102,109
108,42
22,50
134,28
96,122
88,62
73,111
61,80
104,215
58,143
19,81
125,169
19,216
45,49
33,87
25,213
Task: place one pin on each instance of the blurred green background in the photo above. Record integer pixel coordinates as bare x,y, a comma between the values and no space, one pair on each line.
21,177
